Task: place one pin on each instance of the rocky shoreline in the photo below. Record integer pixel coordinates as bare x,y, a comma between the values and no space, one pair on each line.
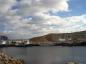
5,59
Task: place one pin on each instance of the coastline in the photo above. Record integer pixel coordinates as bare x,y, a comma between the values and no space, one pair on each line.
61,45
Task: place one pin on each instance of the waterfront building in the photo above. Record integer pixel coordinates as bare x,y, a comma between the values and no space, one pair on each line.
3,37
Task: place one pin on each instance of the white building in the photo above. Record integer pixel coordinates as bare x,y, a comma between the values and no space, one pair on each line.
3,42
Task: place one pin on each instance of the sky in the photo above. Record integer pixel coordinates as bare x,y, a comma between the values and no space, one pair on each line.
23,19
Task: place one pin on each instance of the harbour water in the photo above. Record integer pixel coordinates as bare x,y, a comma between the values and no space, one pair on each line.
47,54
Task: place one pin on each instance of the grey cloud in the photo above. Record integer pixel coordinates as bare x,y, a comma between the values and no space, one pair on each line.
14,25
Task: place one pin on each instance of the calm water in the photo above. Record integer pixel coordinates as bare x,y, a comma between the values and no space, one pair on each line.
48,55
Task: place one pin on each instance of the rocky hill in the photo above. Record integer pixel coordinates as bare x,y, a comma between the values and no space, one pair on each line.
76,37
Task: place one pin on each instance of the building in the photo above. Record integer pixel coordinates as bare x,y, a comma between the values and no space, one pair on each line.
18,42
3,37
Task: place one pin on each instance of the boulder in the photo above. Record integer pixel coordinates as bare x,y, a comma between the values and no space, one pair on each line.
5,59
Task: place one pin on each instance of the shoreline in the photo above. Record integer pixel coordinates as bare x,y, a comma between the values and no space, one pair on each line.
2,46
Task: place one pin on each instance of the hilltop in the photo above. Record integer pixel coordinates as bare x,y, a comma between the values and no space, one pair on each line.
52,38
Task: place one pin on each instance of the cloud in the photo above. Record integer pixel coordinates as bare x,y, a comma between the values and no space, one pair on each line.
29,18
32,7
5,5
45,24
74,24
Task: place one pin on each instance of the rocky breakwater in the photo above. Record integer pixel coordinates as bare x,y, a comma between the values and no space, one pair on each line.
5,59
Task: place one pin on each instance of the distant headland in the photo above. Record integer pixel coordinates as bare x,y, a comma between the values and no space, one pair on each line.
53,39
